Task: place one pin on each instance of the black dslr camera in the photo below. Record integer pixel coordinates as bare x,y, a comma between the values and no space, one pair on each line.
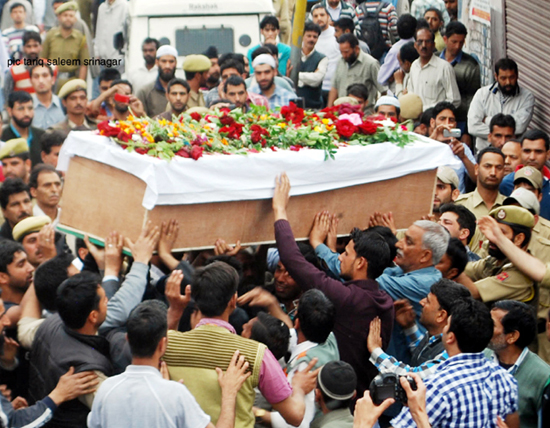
387,385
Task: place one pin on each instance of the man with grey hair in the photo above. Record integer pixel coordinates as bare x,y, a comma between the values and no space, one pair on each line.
422,247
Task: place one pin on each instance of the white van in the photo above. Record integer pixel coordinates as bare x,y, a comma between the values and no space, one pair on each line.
191,26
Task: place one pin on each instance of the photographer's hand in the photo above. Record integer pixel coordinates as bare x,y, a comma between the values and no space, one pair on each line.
416,400
367,413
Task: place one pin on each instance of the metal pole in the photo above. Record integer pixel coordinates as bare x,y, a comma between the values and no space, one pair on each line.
297,34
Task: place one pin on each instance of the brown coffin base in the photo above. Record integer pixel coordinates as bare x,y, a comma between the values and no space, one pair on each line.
98,199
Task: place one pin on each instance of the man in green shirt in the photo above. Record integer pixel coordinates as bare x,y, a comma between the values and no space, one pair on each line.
515,329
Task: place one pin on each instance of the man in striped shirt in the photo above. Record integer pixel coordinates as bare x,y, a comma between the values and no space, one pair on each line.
339,9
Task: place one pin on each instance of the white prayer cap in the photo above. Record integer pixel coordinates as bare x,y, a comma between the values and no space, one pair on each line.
167,50
264,59
386,100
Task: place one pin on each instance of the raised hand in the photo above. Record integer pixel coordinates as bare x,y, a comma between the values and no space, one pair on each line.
142,249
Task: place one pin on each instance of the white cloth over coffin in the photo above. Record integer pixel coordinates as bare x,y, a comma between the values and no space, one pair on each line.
223,178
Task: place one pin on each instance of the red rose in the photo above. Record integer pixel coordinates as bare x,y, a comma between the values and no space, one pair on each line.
108,130
233,132
345,128
182,152
238,129
256,137
330,116
196,152
292,113
196,116
258,134
123,136
368,127
141,151
227,120
346,108
332,109
259,129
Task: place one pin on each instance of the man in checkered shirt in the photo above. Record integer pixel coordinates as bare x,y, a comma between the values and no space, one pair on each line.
467,390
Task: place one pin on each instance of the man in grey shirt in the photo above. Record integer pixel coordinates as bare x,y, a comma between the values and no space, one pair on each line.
355,66
504,96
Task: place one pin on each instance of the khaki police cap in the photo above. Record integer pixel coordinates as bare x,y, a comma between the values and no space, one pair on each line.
346,100
448,175
198,109
196,63
70,5
13,148
72,86
524,198
30,225
530,174
513,216
411,106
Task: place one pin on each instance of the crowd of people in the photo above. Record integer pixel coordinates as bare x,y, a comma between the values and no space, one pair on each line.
454,310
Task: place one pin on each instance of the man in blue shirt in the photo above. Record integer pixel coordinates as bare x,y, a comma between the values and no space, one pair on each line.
269,28
265,82
423,246
535,147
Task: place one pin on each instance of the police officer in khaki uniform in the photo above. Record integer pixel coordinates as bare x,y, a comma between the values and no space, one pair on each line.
494,277
489,172
64,43
73,95
527,193
196,68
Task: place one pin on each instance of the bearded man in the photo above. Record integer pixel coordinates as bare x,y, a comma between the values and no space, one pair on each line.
504,96
21,112
355,66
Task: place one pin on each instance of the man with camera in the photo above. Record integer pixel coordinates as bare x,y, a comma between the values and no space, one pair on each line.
444,128
466,390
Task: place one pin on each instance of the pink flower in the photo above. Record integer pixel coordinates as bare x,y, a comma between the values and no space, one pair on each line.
354,118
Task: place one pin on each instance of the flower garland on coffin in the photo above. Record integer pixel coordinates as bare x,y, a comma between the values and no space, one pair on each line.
234,132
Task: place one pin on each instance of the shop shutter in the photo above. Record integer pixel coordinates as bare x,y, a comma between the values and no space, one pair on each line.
528,43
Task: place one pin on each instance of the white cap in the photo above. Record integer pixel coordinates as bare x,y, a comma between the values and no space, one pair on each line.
264,59
167,50
386,100
525,198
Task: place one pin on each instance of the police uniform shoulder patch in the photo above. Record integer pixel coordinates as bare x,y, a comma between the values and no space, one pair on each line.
502,276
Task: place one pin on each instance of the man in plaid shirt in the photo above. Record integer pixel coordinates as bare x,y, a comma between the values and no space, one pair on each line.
427,349
467,390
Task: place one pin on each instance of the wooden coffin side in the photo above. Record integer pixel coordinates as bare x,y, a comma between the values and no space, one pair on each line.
409,198
99,198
